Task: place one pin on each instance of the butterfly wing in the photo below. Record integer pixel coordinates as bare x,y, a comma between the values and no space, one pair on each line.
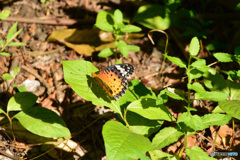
114,79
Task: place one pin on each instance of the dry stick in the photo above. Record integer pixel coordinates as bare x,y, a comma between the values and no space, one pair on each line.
67,22
165,51
49,88
8,155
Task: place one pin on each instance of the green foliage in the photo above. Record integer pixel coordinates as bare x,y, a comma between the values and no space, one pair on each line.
12,34
143,113
107,21
37,120
44,1
4,14
153,17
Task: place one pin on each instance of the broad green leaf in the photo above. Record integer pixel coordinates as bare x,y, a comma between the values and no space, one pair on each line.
1,111
21,101
121,143
237,49
199,63
165,137
106,53
4,14
130,29
177,61
133,48
7,76
43,122
202,94
122,48
78,74
157,154
237,7
104,21
215,119
138,90
231,107
153,17
141,125
194,47
10,35
147,108
16,70
1,43
5,54
162,97
223,57
21,88
16,44
175,93
196,153
118,17
234,90
187,122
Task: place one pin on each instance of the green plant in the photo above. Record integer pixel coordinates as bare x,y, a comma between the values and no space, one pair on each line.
44,1
141,113
37,120
8,43
109,22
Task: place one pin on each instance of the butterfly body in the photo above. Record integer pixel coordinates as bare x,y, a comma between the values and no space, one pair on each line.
114,79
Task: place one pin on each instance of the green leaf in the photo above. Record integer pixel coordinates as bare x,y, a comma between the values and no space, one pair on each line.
1,43
176,93
138,90
194,47
153,17
223,57
231,107
20,101
5,54
215,119
10,35
237,49
162,97
4,14
190,123
118,17
196,153
16,44
1,111
122,48
78,74
16,70
130,29
165,137
7,76
177,61
21,88
157,154
133,48
141,125
237,7
202,94
121,143
43,122
106,53
147,108
104,21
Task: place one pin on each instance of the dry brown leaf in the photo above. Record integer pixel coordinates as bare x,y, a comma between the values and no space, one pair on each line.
86,41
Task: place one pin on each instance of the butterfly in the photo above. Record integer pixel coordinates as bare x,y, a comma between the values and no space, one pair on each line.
114,79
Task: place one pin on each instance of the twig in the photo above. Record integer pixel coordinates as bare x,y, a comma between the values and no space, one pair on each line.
67,22
30,70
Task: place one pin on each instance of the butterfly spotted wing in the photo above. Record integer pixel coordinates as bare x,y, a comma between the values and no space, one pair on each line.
114,79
